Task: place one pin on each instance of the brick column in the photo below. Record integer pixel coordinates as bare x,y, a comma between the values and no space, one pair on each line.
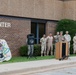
50,27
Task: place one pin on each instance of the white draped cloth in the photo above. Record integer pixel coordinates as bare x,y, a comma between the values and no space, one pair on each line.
6,50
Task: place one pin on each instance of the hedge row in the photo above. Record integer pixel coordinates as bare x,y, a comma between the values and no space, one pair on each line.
37,50
24,50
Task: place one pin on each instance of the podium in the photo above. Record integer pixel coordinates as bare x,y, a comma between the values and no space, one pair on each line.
61,50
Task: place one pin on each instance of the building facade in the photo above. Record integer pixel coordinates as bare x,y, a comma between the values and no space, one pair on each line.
18,18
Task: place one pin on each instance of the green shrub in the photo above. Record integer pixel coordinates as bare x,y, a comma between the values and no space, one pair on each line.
24,50
37,50
67,25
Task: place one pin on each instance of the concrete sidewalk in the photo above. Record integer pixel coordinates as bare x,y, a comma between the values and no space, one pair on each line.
33,65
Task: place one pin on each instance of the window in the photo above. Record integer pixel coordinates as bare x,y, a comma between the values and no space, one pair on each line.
38,29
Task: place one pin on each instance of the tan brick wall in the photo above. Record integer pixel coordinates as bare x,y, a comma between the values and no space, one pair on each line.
16,34
70,9
50,27
44,9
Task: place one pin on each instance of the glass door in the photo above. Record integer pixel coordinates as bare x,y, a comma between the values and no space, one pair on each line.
38,29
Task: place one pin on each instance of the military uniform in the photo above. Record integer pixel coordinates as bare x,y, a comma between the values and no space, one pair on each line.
68,39
30,49
74,44
56,39
49,44
61,38
43,45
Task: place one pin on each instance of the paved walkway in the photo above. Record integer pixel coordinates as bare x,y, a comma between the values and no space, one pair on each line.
32,65
63,71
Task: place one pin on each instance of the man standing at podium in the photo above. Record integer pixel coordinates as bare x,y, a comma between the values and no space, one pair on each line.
61,37
68,39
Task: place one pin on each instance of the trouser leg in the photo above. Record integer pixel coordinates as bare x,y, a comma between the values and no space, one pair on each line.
32,50
51,49
74,51
69,49
74,48
29,48
48,49
45,50
55,49
42,50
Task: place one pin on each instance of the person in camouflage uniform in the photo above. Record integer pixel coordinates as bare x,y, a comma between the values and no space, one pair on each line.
43,45
61,37
56,39
67,39
74,44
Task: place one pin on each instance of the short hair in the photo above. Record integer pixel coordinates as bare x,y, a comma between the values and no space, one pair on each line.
61,31
67,31
50,32
57,32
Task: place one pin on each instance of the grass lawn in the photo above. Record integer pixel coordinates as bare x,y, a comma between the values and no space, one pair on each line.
24,59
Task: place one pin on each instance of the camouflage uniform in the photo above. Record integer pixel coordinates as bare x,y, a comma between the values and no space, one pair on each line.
61,38
74,44
67,38
43,45
56,38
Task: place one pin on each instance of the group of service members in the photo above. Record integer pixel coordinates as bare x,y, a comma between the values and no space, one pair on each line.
47,42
